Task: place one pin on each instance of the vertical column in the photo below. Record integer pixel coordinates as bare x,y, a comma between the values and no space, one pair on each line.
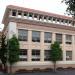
12,29
27,15
47,18
10,13
53,37
42,47
16,13
73,46
56,20
22,14
52,19
29,43
33,16
60,21
68,23
42,18
37,17
63,47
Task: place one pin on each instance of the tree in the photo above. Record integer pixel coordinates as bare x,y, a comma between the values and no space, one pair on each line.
3,52
56,53
71,6
13,51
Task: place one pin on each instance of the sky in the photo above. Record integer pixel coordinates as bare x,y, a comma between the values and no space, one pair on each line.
53,6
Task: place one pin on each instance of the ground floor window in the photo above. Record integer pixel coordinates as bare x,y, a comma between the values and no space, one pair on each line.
68,55
47,55
23,55
35,55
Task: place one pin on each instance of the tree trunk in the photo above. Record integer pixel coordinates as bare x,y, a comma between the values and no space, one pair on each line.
3,67
54,66
10,68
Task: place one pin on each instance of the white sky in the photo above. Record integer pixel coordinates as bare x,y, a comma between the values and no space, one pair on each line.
54,6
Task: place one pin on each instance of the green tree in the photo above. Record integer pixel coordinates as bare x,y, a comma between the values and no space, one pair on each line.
56,53
13,51
3,51
71,6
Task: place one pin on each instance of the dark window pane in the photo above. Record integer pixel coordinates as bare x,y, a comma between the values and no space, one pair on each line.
48,37
13,13
59,38
22,35
35,36
47,55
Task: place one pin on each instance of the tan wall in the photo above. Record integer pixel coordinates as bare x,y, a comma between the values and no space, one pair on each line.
42,46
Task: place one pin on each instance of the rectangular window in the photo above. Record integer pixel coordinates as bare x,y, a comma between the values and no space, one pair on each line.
68,55
48,37
14,12
68,39
22,35
19,14
35,55
23,55
47,55
35,36
59,38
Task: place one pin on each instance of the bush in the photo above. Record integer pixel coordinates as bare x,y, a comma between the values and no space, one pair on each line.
60,68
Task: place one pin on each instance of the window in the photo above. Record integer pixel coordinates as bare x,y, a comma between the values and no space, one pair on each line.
68,39
22,35
47,55
19,14
23,54
49,19
14,12
68,55
35,55
25,15
59,38
40,18
45,18
35,16
35,36
48,37
30,16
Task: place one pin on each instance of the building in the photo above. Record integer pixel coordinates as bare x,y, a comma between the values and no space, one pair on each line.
36,30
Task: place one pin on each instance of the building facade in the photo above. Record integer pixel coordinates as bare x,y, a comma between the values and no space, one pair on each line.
36,30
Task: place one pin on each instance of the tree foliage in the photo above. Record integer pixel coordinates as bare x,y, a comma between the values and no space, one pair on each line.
56,53
71,6
3,51
13,50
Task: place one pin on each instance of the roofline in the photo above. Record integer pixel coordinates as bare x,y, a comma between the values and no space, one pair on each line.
38,12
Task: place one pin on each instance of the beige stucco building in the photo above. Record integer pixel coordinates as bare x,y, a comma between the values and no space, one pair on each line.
36,30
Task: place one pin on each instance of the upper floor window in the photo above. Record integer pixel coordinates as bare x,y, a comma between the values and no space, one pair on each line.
68,55
22,34
47,37
35,16
14,12
19,14
59,38
35,36
25,15
40,18
30,16
68,39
